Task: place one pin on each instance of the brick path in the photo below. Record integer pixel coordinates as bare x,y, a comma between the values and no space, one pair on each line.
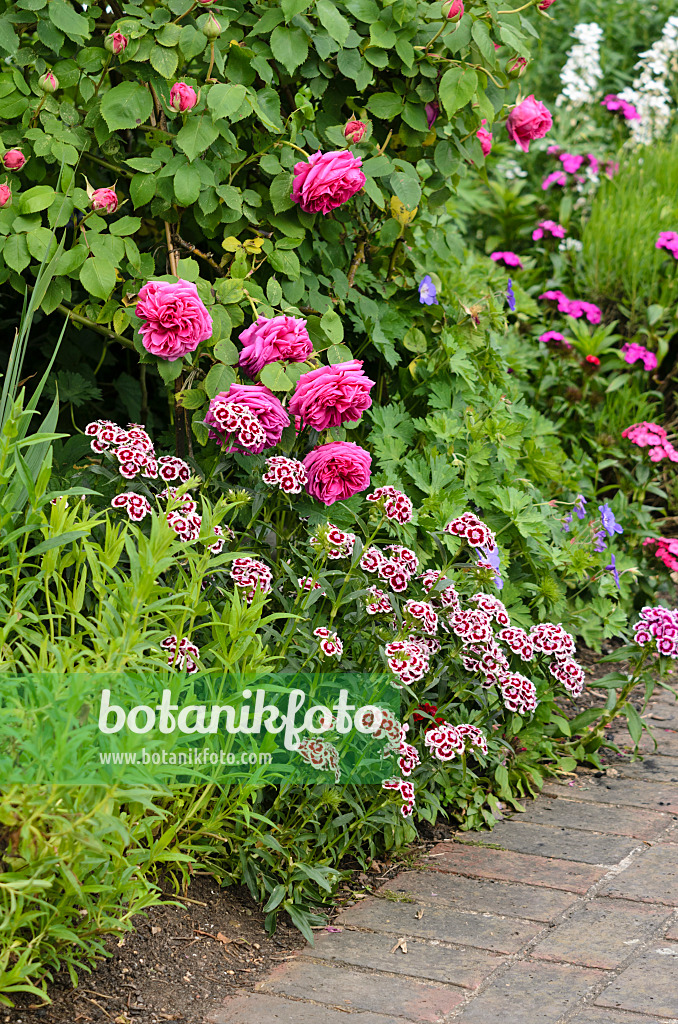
573,921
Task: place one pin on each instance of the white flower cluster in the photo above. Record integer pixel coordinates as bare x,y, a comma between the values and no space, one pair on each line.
570,245
582,72
650,93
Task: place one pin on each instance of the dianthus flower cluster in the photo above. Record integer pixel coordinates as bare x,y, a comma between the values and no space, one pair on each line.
330,644
509,259
575,308
658,626
424,613
396,569
136,505
518,641
555,340
408,756
396,504
446,741
472,530
407,659
448,596
406,790
430,715
549,227
321,755
379,602
183,655
668,240
250,575
287,474
568,672
236,422
666,551
306,583
334,542
654,437
616,105
519,693
632,353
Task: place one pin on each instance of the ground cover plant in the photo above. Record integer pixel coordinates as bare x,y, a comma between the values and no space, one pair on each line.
320,391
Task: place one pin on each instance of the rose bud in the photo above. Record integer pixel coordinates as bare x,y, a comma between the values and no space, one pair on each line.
545,4
116,42
206,3
354,131
454,11
48,82
211,29
515,67
5,194
13,160
104,200
182,97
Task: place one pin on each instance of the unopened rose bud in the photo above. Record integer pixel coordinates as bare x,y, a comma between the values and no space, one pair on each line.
182,97
13,160
206,3
48,82
5,195
211,29
354,131
116,42
515,67
545,4
454,11
104,200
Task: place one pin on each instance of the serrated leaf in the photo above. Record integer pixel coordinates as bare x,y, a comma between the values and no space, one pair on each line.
125,226
226,352
289,46
219,379
165,61
126,106
290,8
196,136
338,354
68,21
15,253
457,87
286,261
274,377
97,276
385,105
38,198
187,185
332,326
142,189
192,399
407,189
225,100
170,369
335,23
281,191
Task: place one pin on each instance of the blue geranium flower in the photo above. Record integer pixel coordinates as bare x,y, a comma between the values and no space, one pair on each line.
609,522
428,295
510,296
612,567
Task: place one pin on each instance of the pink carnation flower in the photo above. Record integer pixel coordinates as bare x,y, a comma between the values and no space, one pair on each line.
327,181
555,178
509,259
332,395
632,352
529,120
654,437
668,240
571,162
175,318
337,471
616,105
550,226
267,341
264,406
556,339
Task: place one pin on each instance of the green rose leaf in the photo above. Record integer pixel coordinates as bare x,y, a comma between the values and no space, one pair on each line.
332,326
219,379
187,185
385,105
226,352
225,100
68,21
333,21
457,86
274,377
97,276
407,189
125,226
126,106
164,61
280,191
289,47
286,261
195,137
35,199
15,253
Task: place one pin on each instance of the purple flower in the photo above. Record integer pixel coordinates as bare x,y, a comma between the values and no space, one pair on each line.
428,295
580,506
510,297
491,556
612,567
432,110
609,522
567,521
600,544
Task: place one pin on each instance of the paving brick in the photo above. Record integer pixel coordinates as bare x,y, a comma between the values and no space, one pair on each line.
456,965
254,1008
512,899
619,792
483,862
355,990
653,768
531,993
602,933
639,823
591,1015
648,985
565,843
485,931
672,931
652,877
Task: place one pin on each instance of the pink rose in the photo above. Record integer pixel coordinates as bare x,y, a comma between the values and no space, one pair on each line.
182,97
13,160
332,395
327,181
116,43
337,471
104,200
455,10
266,341
5,195
529,120
485,139
262,403
354,131
176,319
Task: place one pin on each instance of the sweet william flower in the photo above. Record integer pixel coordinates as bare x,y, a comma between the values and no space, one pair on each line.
509,259
182,97
428,296
527,121
104,200
337,471
5,195
13,160
593,360
175,318
116,42
326,181
354,131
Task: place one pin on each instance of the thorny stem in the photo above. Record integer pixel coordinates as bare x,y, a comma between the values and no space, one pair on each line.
206,256
386,142
103,74
171,255
358,258
394,256
86,322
